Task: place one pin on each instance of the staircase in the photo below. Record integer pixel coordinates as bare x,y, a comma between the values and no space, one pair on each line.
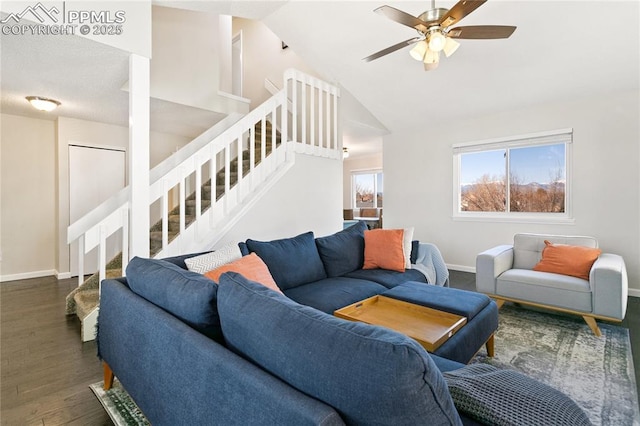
245,159
85,298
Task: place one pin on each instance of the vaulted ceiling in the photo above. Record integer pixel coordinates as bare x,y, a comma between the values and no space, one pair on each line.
560,50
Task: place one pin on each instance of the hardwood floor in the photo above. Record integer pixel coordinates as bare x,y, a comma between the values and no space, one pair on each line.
45,371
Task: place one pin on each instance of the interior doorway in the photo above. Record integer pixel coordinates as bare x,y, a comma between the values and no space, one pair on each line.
236,64
95,174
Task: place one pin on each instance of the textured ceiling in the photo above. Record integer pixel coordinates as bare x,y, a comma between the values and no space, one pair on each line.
89,79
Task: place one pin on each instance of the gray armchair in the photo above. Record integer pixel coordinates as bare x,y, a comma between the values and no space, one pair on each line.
506,274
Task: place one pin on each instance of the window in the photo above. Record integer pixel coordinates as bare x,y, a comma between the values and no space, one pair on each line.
518,177
366,189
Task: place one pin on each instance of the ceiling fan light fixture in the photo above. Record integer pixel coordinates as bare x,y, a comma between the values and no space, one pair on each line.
450,46
437,40
431,57
43,104
430,67
419,50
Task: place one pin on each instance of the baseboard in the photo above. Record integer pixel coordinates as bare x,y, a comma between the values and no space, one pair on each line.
63,275
634,293
461,268
27,275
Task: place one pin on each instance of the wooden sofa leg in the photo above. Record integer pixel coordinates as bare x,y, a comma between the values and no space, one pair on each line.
108,376
591,322
490,346
499,302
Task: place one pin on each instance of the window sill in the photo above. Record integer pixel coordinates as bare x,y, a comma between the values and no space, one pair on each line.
514,219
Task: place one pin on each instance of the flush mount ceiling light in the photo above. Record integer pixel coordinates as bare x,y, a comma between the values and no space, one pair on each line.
435,34
43,104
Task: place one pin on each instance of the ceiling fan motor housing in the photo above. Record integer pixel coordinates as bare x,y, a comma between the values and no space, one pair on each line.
433,15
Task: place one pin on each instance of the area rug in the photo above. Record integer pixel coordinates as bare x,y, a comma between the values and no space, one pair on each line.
119,405
561,351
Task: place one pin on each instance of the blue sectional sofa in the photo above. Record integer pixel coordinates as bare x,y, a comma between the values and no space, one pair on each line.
192,352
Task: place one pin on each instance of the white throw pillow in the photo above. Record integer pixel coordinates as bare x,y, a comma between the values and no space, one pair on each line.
406,246
209,261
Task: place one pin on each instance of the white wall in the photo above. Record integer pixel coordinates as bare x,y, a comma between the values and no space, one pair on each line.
191,56
27,202
354,164
307,198
263,57
34,197
418,174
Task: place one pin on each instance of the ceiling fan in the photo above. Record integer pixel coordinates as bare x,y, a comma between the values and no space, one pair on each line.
435,34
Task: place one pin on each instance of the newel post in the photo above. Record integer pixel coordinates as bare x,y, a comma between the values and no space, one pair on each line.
139,91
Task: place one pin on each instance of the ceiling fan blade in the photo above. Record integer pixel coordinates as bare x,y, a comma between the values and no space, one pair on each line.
403,18
391,49
482,32
459,11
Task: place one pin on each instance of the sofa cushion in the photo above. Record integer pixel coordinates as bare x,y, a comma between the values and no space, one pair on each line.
330,294
251,267
370,375
343,251
388,278
185,294
209,261
292,261
384,248
575,261
452,300
546,288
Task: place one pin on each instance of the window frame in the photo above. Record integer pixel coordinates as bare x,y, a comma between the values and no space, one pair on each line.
375,172
554,137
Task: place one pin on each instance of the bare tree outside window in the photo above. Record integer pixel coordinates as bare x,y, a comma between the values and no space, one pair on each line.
367,190
536,181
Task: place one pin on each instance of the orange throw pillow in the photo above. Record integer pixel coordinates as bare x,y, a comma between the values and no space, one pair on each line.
575,261
251,267
383,249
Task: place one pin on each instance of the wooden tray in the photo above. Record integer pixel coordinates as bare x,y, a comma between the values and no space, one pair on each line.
429,327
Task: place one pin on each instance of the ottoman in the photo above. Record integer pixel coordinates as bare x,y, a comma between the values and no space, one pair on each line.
481,313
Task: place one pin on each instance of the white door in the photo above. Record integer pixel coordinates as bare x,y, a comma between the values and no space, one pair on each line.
95,174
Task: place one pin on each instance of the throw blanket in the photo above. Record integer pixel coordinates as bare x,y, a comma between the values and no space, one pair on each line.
431,264
507,397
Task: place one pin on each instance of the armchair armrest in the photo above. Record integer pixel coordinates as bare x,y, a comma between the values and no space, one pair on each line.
609,286
490,264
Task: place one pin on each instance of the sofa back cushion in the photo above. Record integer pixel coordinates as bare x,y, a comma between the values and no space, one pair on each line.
291,261
187,295
343,252
527,248
370,375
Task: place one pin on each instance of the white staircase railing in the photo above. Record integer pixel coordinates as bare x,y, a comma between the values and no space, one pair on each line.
304,112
